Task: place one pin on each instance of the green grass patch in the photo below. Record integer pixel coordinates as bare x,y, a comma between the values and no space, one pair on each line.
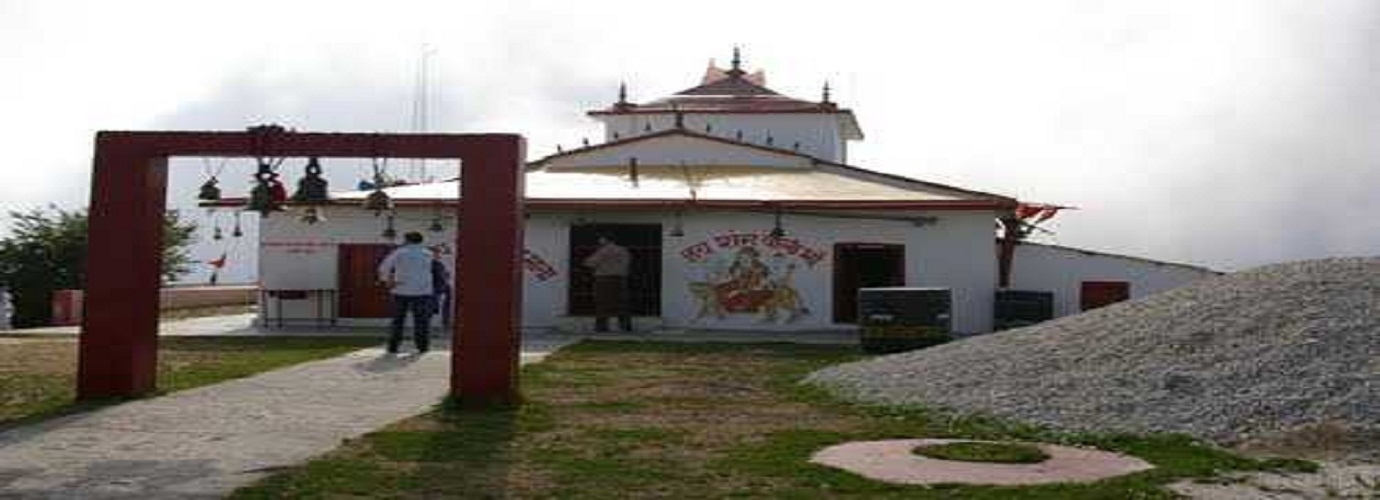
982,451
38,375
677,420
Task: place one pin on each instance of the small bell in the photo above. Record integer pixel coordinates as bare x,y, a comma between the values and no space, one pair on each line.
311,188
312,215
436,226
777,232
216,234
378,201
678,228
388,232
237,232
209,190
266,197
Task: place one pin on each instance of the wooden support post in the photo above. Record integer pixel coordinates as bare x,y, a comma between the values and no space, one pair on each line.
119,341
489,310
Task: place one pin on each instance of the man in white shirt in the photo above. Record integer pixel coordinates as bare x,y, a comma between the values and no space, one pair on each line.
407,273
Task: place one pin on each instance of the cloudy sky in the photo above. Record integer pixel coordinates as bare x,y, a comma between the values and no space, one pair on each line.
1221,133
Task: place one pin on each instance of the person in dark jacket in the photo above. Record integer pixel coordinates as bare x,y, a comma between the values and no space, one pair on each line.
610,263
440,284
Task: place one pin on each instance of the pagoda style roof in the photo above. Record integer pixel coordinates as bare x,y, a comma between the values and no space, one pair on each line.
724,91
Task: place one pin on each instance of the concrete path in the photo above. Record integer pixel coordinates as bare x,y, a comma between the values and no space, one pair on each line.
205,442
234,324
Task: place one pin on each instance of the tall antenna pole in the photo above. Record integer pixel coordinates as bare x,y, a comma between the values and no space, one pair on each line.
421,109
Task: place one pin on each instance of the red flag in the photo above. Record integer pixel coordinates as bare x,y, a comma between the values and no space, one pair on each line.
1047,213
218,263
1026,211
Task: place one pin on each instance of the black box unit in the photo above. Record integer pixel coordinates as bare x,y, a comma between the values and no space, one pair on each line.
1018,308
895,319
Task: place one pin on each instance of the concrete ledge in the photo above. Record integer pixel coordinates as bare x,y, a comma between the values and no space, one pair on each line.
894,461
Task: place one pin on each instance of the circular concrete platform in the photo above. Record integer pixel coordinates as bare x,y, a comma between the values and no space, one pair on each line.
894,461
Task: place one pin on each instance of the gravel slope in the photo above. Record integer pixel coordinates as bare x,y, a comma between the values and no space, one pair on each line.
1227,359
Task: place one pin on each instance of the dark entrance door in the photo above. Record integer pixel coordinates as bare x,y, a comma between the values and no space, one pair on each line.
1095,294
862,265
643,241
361,294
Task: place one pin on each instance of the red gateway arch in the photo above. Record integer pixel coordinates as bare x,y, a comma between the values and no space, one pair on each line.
119,335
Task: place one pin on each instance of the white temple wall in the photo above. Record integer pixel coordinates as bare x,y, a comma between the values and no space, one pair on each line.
819,134
956,251
679,150
1063,270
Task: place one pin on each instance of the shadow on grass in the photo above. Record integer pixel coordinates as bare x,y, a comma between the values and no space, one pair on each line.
468,453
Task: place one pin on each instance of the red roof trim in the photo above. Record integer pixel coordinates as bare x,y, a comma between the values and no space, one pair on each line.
783,204
692,111
670,132
624,204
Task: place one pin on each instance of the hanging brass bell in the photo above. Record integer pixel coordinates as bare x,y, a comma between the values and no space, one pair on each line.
778,232
378,201
312,215
209,190
312,187
389,232
262,198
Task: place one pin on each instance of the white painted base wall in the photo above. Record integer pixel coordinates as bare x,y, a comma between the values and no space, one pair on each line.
956,251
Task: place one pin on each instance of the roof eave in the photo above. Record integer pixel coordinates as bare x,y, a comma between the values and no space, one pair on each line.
692,111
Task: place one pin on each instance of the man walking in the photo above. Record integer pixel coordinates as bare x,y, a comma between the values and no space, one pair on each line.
407,273
610,263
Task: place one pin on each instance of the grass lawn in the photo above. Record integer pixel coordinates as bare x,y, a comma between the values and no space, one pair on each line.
198,312
38,374
637,420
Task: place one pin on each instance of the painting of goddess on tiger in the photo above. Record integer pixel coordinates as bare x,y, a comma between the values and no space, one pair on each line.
747,285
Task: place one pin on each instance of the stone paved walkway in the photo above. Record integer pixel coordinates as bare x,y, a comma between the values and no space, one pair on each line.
205,442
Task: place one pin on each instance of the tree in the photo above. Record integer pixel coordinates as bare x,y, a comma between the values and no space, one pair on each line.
47,251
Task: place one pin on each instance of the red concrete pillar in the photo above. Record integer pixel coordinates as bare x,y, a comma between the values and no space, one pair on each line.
484,365
119,336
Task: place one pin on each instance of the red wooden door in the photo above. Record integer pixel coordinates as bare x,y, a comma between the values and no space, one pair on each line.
361,294
1095,294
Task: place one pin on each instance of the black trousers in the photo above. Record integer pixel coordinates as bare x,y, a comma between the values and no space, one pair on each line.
420,306
611,299
441,304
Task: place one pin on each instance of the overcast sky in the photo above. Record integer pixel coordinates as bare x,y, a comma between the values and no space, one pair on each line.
1220,133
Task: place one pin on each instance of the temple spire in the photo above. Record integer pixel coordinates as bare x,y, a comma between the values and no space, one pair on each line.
736,70
825,98
623,103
